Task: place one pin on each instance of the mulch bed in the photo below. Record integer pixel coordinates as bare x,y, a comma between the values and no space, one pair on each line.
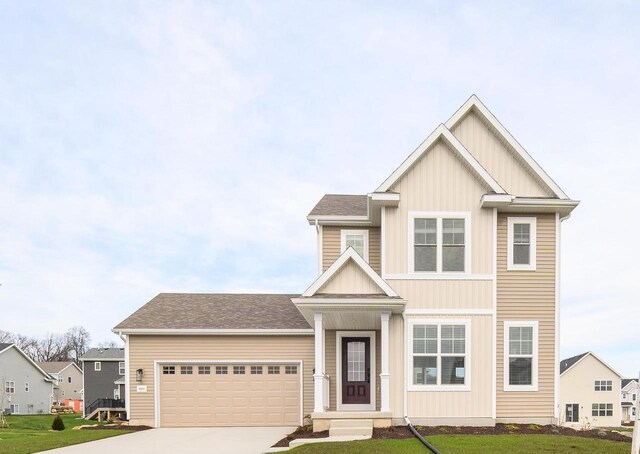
400,432
117,427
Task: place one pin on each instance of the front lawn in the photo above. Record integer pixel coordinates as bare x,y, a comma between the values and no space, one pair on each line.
473,444
32,433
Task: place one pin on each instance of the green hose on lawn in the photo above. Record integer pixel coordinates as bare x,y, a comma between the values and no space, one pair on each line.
432,448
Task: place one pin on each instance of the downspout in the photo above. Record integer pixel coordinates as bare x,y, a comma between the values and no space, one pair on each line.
431,448
127,384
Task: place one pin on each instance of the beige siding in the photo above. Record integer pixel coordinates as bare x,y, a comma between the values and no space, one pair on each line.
439,181
577,386
331,245
495,156
476,403
528,295
350,279
144,350
444,294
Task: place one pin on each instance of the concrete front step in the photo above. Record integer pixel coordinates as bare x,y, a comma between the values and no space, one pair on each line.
351,428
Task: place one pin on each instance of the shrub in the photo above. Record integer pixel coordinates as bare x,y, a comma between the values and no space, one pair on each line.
533,426
58,424
512,427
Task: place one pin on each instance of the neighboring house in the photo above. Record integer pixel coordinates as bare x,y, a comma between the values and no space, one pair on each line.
103,370
589,392
629,398
68,379
436,298
26,388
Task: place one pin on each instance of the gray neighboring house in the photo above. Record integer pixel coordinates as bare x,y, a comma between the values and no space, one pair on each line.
68,378
26,388
103,379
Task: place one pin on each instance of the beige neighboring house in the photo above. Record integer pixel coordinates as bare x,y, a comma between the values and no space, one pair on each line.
68,379
436,297
589,392
630,391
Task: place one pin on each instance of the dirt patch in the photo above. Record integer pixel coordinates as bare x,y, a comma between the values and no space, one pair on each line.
117,427
301,432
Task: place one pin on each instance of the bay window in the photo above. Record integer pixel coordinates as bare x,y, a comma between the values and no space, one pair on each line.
440,242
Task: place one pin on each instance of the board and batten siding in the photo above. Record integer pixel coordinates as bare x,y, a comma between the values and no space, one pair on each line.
144,350
528,295
331,245
350,279
494,155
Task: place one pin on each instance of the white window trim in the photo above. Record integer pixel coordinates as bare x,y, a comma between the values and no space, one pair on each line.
439,215
121,368
343,240
534,364
116,393
7,386
15,409
97,366
467,354
532,221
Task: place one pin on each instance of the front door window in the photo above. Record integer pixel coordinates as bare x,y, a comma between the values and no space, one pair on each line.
356,374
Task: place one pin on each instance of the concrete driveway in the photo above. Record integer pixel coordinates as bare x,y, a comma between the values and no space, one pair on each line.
221,440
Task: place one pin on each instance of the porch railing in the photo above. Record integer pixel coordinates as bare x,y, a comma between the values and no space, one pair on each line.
326,394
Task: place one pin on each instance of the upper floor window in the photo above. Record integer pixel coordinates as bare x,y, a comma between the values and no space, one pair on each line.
520,356
357,239
121,368
69,379
603,385
97,366
521,248
440,242
9,387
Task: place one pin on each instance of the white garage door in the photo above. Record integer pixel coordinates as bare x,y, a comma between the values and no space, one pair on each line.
193,395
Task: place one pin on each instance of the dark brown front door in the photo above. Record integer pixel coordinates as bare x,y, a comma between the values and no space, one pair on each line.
356,374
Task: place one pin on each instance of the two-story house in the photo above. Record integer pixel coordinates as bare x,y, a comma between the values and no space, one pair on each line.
437,298
629,398
103,381
68,382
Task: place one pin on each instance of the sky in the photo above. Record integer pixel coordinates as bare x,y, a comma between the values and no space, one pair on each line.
151,147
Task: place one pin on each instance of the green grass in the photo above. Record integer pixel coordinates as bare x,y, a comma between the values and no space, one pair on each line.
32,433
473,444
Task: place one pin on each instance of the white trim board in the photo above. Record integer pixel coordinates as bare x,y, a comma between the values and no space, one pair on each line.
206,332
372,366
534,357
533,242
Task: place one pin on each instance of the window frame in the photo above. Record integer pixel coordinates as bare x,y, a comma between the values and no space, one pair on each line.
532,221
534,357
603,385
27,387
204,370
97,366
8,386
598,409
439,216
467,354
122,370
364,233
116,393
575,415
15,409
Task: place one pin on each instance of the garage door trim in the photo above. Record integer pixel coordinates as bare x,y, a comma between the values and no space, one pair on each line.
159,362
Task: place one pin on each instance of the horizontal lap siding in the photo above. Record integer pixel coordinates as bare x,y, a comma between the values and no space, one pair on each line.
331,245
528,295
144,350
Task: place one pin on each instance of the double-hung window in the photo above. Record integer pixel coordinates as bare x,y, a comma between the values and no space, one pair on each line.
97,366
121,368
356,239
440,242
521,247
520,356
603,385
602,410
439,355
10,387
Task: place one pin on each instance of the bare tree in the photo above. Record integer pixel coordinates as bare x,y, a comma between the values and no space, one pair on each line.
52,347
109,344
77,340
6,337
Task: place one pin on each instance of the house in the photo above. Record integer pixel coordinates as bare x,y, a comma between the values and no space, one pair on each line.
629,398
68,380
589,392
26,388
103,369
436,298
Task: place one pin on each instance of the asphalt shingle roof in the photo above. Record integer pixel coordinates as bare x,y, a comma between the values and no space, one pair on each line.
104,353
625,381
53,367
216,311
567,363
341,205
3,345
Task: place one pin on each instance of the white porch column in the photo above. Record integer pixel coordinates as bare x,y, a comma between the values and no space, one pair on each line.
385,404
318,376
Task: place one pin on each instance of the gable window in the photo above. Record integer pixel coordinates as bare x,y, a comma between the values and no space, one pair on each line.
357,239
521,248
602,410
9,387
603,385
97,366
26,387
440,242
121,369
439,355
521,356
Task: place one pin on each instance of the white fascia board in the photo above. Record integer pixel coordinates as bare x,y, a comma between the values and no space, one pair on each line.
349,253
204,332
596,357
102,360
344,301
474,102
69,365
384,199
441,132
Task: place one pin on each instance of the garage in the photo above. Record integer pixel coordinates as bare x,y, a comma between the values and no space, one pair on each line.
229,394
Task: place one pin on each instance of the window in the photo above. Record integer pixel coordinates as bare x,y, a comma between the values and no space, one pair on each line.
440,352
121,369
440,242
60,379
521,356
633,397
521,248
603,385
204,370
97,366
116,393
357,239
633,411
602,410
26,387
69,379
15,409
256,370
624,396
273,370
572,413
222,370
291,370
238,370
9,387
169,370
186,370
